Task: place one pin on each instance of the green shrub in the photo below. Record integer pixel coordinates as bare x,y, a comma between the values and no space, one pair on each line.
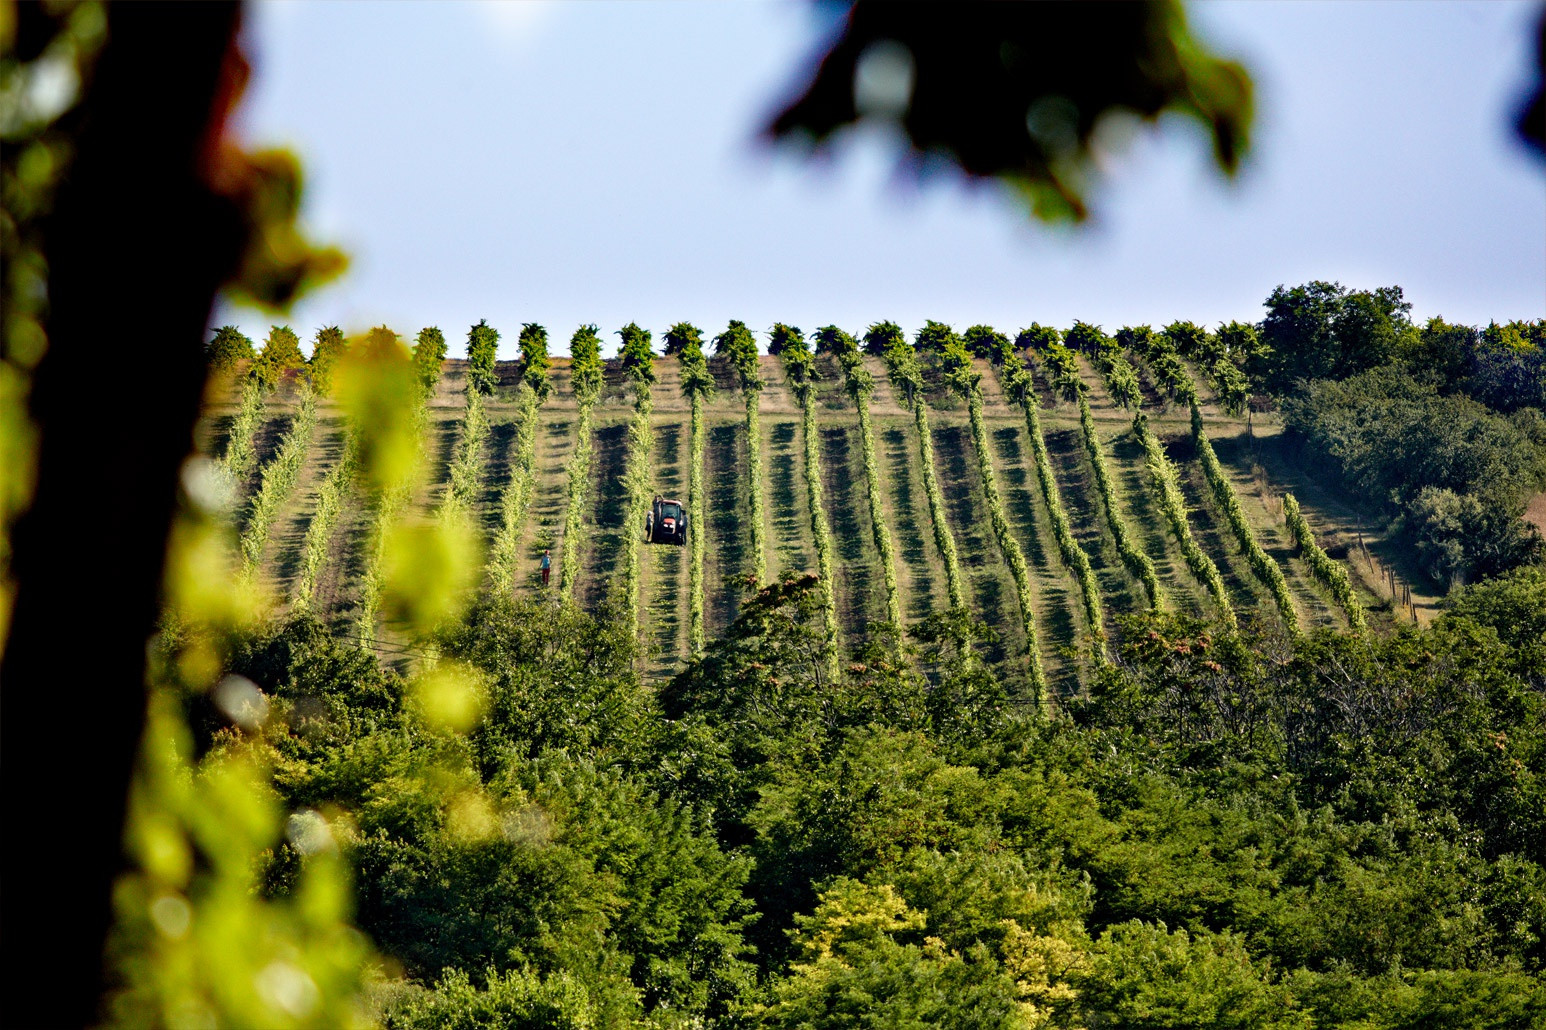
229,346
429,354
482,350
281,353
637,358
324,518
504,559
326,349
534,358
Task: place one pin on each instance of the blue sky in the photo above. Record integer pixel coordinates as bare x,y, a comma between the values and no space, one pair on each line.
597,162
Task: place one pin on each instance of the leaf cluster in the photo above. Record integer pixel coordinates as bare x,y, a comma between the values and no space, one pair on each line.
482,349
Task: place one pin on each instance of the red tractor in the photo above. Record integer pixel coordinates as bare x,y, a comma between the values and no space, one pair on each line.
666,523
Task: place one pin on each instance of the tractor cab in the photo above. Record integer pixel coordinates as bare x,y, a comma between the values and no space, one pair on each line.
666,522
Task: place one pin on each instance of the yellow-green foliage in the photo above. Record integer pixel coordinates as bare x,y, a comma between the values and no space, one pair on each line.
330,502
1224,496
1324,567
790,345
585,374
239,451
1173,506
467,464
1011,548
860,384
956,364
738,344
326,349
1138,563
638,487
685,340
518,490
278,479
281,353
1073,555
906,376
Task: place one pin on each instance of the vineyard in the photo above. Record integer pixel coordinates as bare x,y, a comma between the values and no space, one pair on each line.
1049,489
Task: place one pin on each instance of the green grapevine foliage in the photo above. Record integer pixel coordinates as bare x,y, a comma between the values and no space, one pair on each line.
1324,567
482,349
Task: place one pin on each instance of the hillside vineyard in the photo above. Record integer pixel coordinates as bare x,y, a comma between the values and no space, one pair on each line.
1101,516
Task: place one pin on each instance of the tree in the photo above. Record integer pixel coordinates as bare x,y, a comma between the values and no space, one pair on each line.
638,359
934,338
228,347
832,340
883,335
281,353
738,344
326,349
1323,330
585,368
988,343
685,340
534,358
429,354
1086,338
482,348
1037,338
1187,339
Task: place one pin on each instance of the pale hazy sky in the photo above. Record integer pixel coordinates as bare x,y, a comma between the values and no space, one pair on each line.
597,162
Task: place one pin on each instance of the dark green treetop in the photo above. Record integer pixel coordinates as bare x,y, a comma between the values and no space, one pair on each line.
429,352
585,369
534,358
229,346
638,359
482,348
739,345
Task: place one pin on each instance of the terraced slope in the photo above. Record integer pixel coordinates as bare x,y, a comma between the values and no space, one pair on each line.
1259,469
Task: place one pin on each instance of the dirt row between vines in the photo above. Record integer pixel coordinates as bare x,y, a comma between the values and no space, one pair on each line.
1258,465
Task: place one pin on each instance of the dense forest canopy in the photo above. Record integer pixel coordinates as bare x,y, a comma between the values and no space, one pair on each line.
1266,825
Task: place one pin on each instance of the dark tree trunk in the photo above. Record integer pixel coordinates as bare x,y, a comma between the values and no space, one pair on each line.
137,246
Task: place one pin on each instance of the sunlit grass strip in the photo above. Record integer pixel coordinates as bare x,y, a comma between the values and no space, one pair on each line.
1062,531
389,506
637,486
278,480
517,495
1139,565
791,346
330,504
1224,496
696,538
467,463
1173,506
240,450
878,526
574,514
1324,567
902,367
755,485
1007,543
638,363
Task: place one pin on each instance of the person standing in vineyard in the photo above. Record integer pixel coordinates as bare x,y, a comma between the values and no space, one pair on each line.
546,565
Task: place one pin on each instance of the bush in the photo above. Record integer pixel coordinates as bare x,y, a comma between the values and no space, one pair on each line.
281,353
482,350
228,347
326,349
429,354
534,358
